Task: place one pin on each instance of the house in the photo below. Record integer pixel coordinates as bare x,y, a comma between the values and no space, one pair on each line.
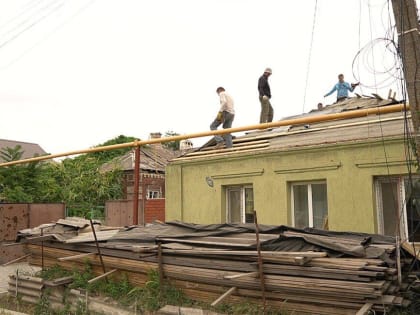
29,149
345,174
151,194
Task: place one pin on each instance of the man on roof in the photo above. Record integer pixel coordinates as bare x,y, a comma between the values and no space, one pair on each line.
225,116
264,92
342,88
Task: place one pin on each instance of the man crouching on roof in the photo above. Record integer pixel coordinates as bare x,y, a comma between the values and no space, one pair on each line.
225,115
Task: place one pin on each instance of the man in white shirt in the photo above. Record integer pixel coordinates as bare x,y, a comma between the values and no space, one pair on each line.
225,116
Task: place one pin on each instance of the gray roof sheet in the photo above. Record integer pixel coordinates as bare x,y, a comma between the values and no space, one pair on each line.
29,149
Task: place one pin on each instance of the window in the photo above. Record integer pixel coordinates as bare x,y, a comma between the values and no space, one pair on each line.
153,194
309,205
395,214
240,204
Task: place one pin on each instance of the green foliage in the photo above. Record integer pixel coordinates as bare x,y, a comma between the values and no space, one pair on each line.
105,156
80,279
248,308
173,145
78,182
18,182
155,295
53,272
43,306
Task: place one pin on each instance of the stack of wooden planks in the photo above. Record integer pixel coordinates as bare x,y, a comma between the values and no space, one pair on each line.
224,268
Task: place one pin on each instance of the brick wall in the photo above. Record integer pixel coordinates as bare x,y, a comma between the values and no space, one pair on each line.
155,210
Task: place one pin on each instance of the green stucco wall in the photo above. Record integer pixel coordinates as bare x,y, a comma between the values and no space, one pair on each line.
348,170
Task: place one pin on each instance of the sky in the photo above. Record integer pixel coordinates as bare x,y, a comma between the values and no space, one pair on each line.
76,73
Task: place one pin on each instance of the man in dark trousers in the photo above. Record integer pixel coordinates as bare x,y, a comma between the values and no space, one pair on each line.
265,95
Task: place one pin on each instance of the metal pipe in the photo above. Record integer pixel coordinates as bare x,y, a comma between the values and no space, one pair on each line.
286,122
97,245
136,186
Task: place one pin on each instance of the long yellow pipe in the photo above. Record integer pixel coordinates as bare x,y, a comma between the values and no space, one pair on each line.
287,122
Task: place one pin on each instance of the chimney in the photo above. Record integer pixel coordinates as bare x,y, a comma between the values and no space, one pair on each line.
320,106
155,135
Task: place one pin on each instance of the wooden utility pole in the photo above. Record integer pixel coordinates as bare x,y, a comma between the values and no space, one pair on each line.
407,22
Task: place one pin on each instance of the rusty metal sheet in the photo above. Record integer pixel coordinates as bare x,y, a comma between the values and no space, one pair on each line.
9,253
13,217
120,212
40,213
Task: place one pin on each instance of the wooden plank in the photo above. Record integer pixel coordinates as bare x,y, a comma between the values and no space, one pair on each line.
223,296
247,253
234,149
412,248
248,274
40,238
365,309
75,257
16,260
102,276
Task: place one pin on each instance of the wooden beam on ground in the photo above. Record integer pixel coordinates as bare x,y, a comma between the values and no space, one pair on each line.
364,309
223,296
102,276
75,257
16,260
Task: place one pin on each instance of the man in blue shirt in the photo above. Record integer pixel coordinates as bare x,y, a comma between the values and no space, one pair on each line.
342,88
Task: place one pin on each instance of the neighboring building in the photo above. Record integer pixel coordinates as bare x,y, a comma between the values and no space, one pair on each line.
153,160
29,149
349,174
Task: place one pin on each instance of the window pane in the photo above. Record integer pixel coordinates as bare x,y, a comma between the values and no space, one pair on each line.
389,192
234,204
319,205
300,205
249,205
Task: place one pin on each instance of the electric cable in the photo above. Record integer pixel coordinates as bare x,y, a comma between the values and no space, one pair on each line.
72,17
310,55
31,25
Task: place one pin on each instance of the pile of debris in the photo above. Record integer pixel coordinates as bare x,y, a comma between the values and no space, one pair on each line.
308,271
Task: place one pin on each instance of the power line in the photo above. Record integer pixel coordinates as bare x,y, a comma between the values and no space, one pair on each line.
32,24
73,16
310,55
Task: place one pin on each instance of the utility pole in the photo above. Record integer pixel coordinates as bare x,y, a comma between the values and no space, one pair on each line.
407,22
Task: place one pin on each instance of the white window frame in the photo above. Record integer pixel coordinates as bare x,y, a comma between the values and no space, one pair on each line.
310,208
153,194
241,188
402,213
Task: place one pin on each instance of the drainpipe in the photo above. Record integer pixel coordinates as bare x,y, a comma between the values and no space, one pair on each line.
136,186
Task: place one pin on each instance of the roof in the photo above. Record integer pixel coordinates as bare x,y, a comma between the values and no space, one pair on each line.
29,149
315,134
153,158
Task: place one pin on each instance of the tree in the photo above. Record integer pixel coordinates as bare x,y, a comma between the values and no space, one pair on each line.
17,181
78,181
105,156
173,145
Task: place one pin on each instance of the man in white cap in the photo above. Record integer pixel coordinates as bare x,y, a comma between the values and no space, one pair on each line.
267,111
225,116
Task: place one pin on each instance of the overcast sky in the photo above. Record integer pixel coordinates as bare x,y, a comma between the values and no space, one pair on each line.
75,73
